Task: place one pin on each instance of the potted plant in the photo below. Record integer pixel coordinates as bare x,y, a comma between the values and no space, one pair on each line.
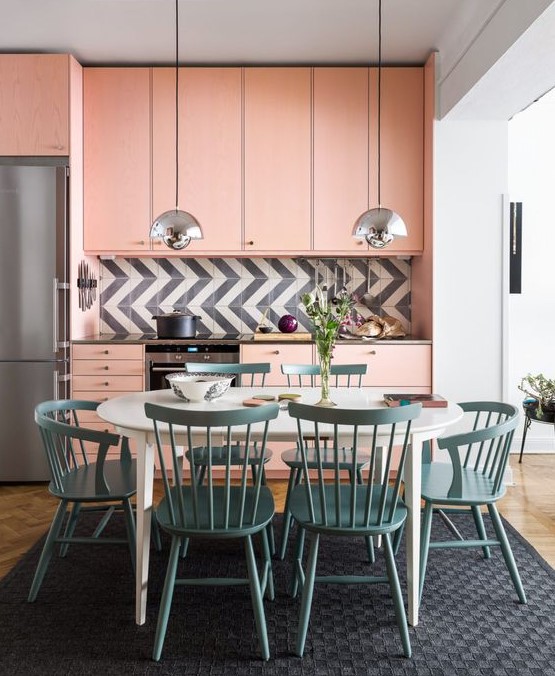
541,391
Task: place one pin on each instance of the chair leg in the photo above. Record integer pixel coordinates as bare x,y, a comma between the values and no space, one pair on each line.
130,526
156,532
479,521
166,600
294,475
256,598
47,550
397,537
308,591
268,564
70,527
297,561
507,551
425,542
397,595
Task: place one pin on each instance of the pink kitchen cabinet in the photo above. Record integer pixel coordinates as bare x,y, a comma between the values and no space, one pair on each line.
402,152
210,138
35,104
277,354
277,156
340,157
390,365
117,209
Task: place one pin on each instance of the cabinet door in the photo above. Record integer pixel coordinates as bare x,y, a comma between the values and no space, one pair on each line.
117,214
277,354
402,152
209,151
399,366
277,149
340,156
34,104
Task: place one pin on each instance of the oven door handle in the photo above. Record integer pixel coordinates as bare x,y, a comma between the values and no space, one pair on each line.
167,369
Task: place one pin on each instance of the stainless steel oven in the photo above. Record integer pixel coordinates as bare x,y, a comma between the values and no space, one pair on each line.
166,358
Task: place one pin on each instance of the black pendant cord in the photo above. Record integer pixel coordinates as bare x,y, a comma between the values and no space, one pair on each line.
379,99
176,105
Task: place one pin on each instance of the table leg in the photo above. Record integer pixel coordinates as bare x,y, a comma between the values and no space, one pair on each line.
413,484
145,482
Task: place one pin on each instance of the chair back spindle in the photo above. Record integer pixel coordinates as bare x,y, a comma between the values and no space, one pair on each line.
246,375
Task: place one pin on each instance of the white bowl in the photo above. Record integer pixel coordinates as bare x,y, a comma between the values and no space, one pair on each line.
199,387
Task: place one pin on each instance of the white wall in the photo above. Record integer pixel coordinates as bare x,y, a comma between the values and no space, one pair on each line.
470,178
532,313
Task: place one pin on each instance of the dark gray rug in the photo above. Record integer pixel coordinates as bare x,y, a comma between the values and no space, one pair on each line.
83,619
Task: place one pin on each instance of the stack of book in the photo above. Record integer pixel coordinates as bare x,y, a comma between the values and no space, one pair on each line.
427,400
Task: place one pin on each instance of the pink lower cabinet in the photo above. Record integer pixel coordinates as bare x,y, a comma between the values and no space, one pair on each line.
101,371
391,365
277,354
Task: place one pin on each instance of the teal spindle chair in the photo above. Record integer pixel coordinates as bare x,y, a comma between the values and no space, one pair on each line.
246,375
101,485
347,375
214,511
342,375
334,508
473,477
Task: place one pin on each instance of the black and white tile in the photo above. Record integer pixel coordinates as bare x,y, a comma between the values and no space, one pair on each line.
231,294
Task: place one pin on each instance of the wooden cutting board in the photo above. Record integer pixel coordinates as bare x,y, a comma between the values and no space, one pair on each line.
277,336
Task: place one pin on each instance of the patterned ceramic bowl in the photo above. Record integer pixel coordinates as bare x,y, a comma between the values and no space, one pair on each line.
199,387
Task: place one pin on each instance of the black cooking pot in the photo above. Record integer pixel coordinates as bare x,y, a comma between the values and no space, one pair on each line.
176,325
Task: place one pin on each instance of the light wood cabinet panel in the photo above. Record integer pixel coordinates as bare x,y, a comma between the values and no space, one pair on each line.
402,152
210,138
340,156
277,354
396,366
277,155
117,213
34,104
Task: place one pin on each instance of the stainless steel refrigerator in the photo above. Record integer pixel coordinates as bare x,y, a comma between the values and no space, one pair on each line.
34,308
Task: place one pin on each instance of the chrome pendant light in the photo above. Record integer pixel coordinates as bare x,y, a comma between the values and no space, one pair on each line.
176,227
379,226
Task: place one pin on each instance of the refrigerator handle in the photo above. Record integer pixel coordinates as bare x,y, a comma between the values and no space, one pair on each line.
57,379
57,286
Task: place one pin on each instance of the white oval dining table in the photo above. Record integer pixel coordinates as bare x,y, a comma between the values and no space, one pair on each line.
127,415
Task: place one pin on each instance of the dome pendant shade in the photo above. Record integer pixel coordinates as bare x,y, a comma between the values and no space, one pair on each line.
176,228
379,227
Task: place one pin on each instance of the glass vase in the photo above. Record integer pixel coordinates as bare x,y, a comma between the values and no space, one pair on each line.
324,347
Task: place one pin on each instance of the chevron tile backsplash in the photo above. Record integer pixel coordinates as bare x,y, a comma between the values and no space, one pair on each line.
231,294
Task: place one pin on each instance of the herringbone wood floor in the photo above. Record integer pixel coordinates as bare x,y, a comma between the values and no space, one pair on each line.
26,510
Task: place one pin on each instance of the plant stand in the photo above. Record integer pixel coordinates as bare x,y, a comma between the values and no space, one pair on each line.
530,416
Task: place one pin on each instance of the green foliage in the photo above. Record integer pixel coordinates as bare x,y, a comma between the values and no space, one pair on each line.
540,388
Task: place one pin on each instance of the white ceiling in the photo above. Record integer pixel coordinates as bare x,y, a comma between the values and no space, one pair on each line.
231,31
510,41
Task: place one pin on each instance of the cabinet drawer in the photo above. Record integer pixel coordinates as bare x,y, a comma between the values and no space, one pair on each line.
390,365
96,395
277,354
107,351
108,383
120,367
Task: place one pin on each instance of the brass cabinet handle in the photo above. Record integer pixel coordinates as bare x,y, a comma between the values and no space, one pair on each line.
276,351
372,352
106,368
106,351
250,243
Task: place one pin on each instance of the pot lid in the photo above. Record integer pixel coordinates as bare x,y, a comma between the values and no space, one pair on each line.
175,313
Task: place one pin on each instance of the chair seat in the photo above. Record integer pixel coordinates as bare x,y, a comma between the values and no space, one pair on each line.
293,458
300,512
264,512
219,455
80,484
476,488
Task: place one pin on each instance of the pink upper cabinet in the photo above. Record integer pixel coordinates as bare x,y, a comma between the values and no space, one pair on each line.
277,156
340,156
209,151
117,214
34,104
402,152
